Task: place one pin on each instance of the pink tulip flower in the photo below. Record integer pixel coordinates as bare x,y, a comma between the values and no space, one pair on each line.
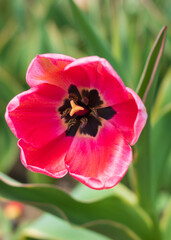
77,117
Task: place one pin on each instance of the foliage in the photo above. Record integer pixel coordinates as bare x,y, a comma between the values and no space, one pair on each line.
123,32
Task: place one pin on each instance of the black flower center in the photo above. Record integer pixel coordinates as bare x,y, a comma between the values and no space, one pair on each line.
82,111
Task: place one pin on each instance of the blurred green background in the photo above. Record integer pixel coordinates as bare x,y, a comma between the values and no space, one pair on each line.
122,31
125,31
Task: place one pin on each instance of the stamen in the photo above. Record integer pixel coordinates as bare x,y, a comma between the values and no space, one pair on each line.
73,97
71,123
84,122
85,100
75,108
94,113
66,112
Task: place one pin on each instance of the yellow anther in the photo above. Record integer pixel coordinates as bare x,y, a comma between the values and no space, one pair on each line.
75,108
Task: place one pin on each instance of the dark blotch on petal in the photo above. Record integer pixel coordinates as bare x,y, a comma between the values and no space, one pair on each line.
106,113
64,106
73,90
82,104
73,130
89,122
67,118
94,98
91,127
85,93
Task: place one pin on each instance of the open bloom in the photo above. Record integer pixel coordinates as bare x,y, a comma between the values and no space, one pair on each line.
77,117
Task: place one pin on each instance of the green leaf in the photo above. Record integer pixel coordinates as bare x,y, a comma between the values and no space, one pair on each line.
144,164
163,100
34,177
142,168
166,180
158,145
147,80
83,193
162,201
113,229
160,134
145,157
53,200
160,148
94,42
8,148
52,228
166,222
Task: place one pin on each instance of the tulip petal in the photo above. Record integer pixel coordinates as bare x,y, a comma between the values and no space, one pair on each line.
99,162
48,159
130,117
33,115
96,73
80,71
48,68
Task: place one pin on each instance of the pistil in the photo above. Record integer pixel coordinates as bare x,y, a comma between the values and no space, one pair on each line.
76,109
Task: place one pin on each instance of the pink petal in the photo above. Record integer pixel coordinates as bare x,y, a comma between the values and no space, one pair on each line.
99,162
80,71
33,115
95,72
130,117
49,159
48,68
